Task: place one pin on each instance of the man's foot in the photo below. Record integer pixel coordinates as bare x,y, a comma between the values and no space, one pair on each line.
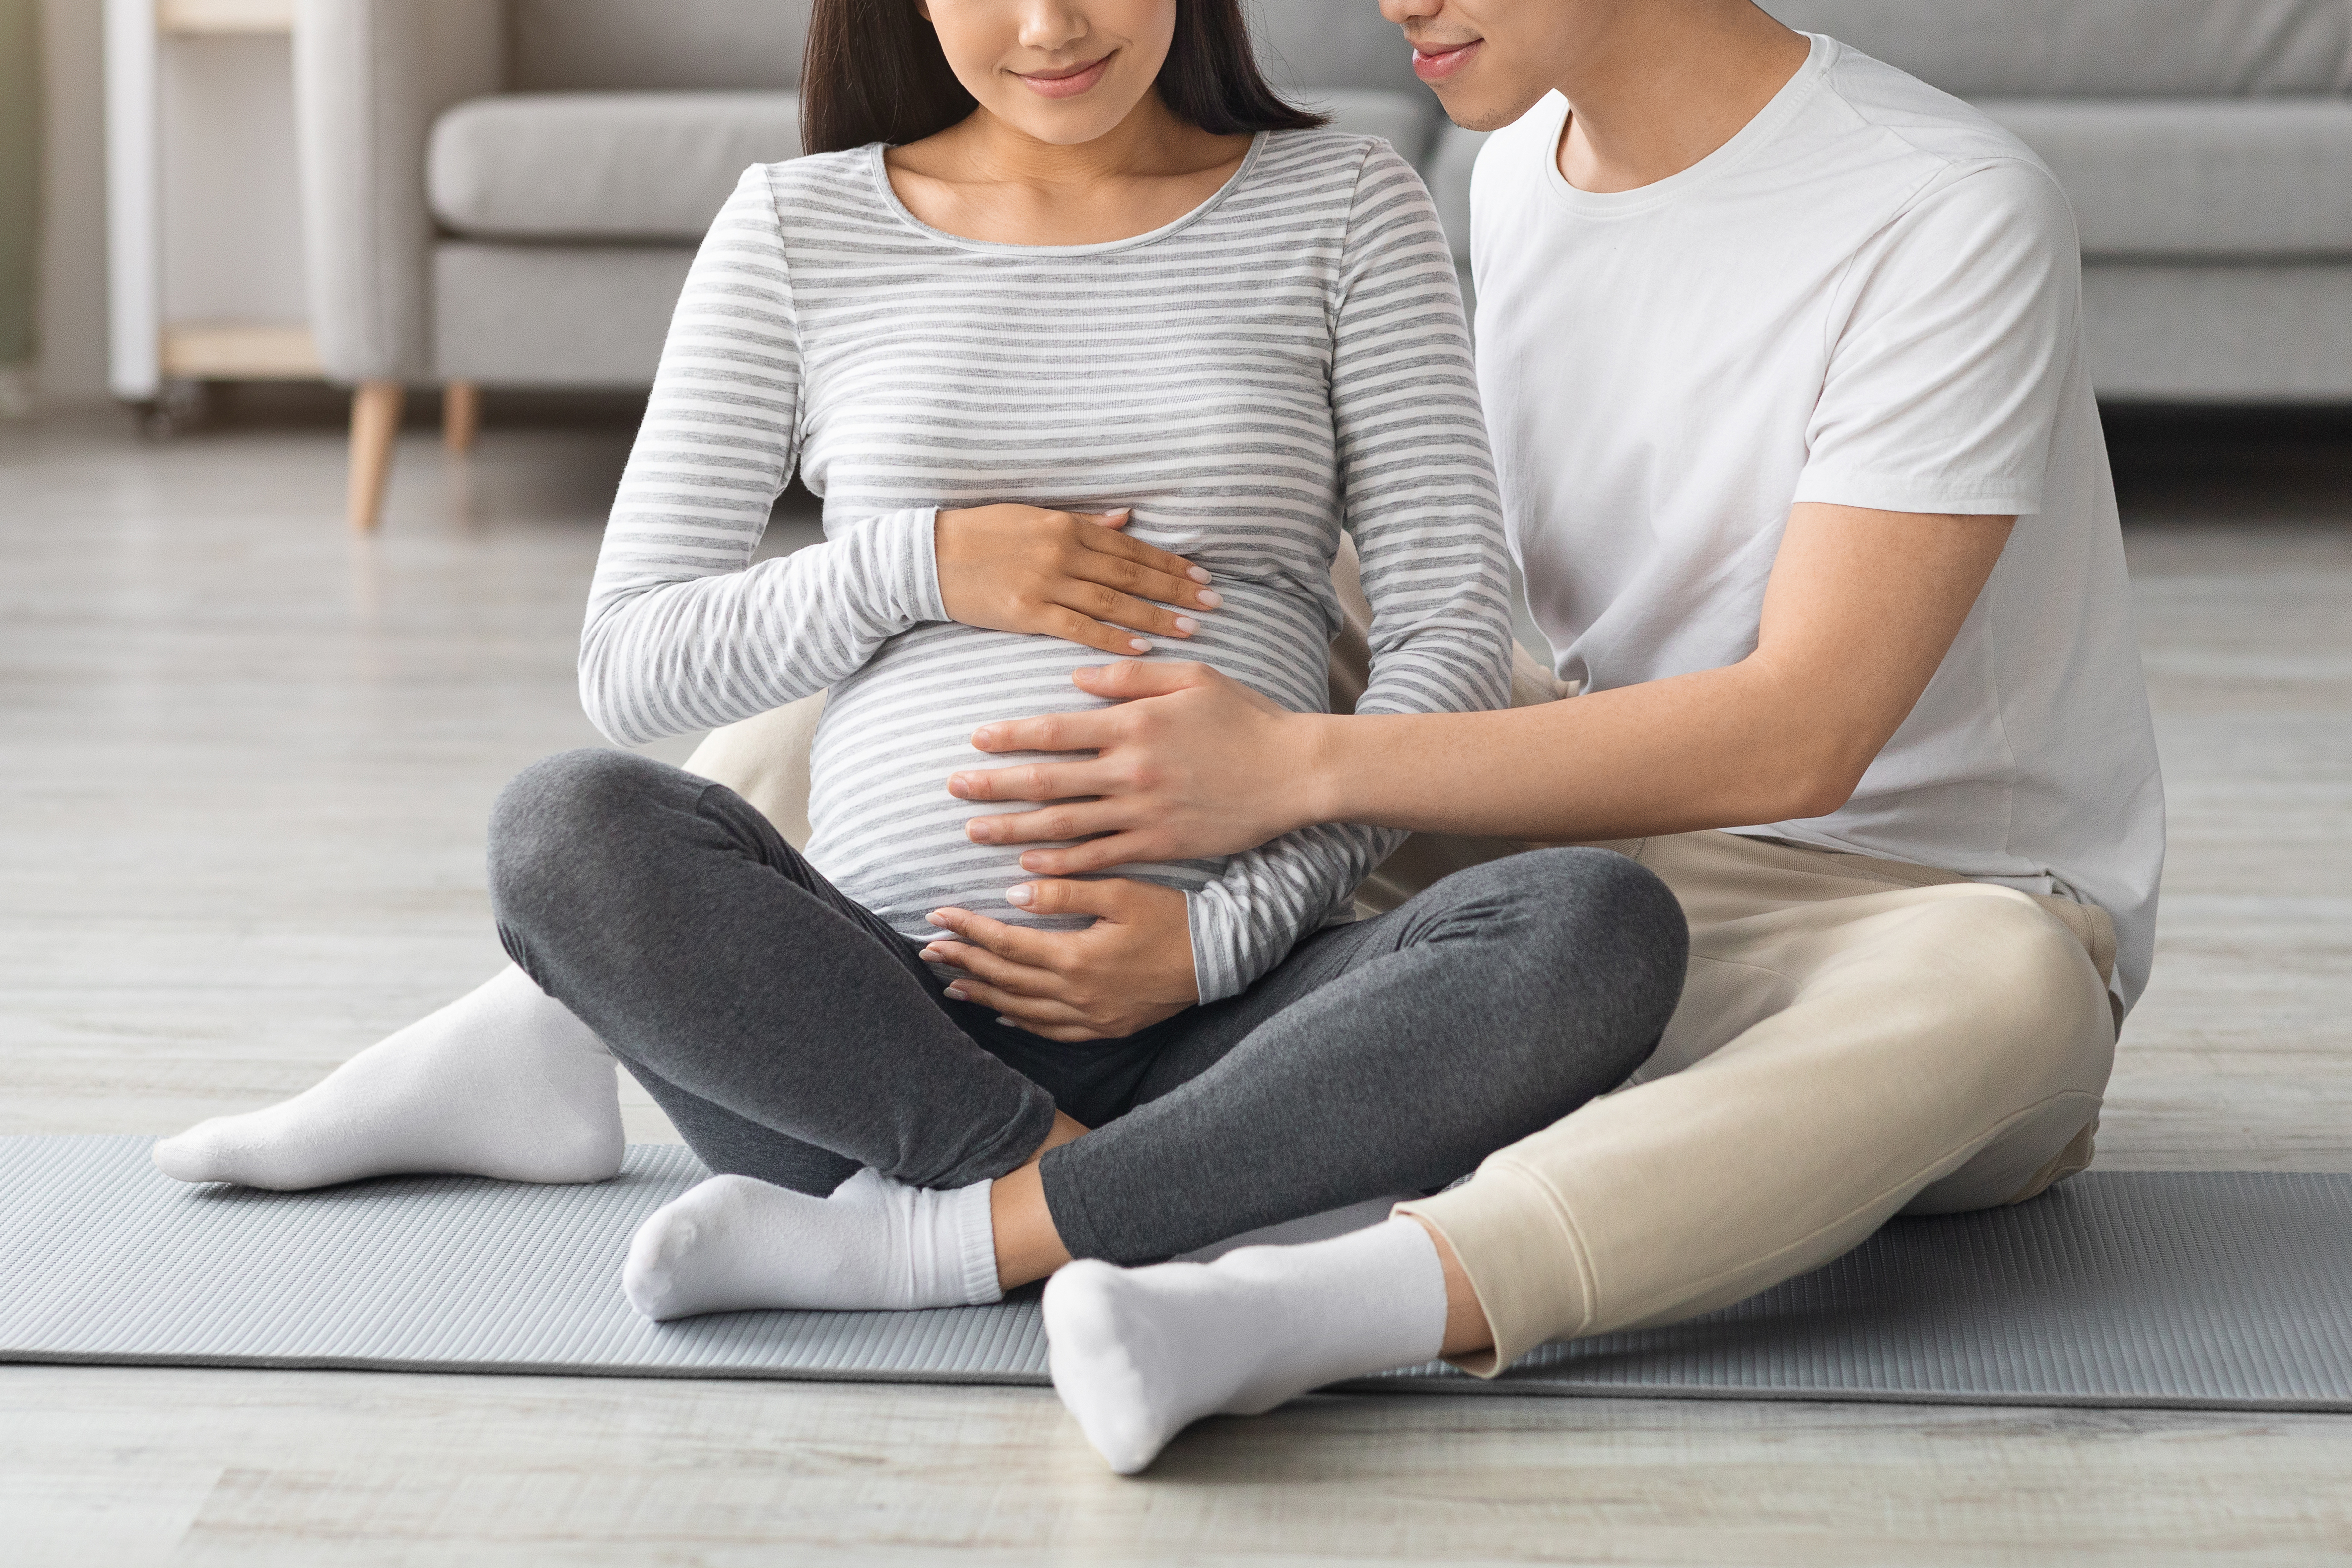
502,1082
734,1244
1138,1354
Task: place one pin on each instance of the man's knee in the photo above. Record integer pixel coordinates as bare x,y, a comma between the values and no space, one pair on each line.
2029,976
553,817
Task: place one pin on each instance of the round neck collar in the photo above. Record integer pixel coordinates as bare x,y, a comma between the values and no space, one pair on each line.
881,171
1767,122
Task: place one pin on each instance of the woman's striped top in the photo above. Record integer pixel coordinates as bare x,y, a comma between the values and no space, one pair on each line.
1286,359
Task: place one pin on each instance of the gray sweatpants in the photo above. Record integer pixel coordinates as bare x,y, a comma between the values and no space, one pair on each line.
794,1037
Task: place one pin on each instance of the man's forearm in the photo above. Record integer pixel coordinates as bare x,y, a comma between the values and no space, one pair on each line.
1716,749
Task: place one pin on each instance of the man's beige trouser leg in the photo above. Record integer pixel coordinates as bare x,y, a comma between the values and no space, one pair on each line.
1856,1039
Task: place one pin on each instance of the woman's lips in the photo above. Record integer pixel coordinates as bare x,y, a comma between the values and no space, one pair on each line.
1436,65
1065,83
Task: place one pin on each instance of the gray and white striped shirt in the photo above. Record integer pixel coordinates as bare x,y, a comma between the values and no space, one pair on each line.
1287,359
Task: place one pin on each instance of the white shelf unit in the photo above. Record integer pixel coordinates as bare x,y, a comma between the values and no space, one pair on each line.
204,210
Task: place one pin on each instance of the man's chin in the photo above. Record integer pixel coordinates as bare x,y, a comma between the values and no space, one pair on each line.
1473,109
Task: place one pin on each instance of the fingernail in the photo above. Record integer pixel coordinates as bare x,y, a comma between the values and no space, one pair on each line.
977,830
1187,625
1200,574
1209,597
1120,512
930,955
955,993
1139,645
1022,895
983,734
1007,1022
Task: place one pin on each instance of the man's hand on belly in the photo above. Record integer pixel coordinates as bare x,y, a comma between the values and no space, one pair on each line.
1130,969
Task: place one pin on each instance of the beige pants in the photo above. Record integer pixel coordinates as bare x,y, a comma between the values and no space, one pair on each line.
1858,1038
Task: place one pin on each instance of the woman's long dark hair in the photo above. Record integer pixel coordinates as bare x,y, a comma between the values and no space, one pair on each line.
875,72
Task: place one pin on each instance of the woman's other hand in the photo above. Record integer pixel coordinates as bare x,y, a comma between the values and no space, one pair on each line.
1188,763
1071,575
1130,969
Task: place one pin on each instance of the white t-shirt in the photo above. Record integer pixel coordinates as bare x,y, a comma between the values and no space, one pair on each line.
1871,297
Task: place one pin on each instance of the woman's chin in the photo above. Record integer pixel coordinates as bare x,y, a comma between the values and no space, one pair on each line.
1070,123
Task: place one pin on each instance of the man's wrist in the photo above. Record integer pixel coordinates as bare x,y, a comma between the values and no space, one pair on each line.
1317,790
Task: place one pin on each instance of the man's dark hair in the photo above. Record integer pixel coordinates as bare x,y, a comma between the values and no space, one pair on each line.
875,72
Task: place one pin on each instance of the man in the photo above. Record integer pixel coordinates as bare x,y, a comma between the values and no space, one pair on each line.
1781,354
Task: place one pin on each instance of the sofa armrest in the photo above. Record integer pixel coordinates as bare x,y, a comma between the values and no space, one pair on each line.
370,78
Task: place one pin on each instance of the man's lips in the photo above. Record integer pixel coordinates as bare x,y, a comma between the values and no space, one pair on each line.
1437,64
1067,83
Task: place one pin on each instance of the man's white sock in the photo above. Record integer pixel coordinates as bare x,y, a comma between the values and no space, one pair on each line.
504,1082
1138,1354
733,1244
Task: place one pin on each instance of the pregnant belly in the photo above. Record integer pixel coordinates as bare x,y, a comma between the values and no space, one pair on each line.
884,827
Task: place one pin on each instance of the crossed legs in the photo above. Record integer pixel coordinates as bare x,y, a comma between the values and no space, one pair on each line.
797,1042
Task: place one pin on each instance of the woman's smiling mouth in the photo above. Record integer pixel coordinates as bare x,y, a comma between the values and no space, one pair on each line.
1067,83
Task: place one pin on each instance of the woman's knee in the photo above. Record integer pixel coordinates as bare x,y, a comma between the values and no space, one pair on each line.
1593,940
552,816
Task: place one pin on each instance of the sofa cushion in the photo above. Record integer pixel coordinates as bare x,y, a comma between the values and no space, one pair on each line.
1406,120
553,315
604,46
2099,48
610,166
2221,179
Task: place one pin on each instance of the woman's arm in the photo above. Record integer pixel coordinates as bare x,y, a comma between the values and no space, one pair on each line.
681,635
685,634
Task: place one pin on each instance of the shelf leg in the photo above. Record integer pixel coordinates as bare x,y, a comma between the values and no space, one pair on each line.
375,420
461,415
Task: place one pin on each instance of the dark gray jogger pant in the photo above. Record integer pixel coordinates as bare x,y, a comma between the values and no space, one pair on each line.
794,1037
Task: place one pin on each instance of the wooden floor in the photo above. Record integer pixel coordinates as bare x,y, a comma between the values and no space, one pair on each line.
243,767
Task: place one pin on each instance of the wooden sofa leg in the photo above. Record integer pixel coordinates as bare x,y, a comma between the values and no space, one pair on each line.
375,422
461,415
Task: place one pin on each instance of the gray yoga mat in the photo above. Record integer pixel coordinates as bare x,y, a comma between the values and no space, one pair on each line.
2219,1290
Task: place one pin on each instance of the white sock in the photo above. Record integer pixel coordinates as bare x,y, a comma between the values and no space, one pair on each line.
1138,1354
503,1082
734,1244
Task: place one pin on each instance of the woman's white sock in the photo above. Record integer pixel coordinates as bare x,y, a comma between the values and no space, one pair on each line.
733,1244
503,1082
1138,1354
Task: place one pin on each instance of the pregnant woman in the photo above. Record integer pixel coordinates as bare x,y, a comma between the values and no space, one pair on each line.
1081,333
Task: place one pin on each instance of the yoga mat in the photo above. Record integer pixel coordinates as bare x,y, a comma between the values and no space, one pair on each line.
2224,1290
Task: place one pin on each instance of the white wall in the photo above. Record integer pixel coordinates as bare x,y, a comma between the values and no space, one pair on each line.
72,364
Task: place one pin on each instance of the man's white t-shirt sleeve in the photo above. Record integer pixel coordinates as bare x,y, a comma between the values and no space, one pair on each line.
1944,382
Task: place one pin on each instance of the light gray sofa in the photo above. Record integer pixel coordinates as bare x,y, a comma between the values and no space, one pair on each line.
508,191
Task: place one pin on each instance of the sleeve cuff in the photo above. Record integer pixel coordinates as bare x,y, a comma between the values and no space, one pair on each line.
1216,971
1899,493
914,545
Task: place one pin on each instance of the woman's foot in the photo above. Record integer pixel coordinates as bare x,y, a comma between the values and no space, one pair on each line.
502,1082
734,1244
1138,1354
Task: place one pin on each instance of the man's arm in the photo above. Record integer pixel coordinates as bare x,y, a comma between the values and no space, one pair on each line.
1860,609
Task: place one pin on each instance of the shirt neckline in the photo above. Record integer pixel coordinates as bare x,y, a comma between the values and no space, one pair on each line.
1768,122
881,174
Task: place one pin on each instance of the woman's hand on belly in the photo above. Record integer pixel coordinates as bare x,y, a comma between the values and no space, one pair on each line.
1130,969
1071,575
